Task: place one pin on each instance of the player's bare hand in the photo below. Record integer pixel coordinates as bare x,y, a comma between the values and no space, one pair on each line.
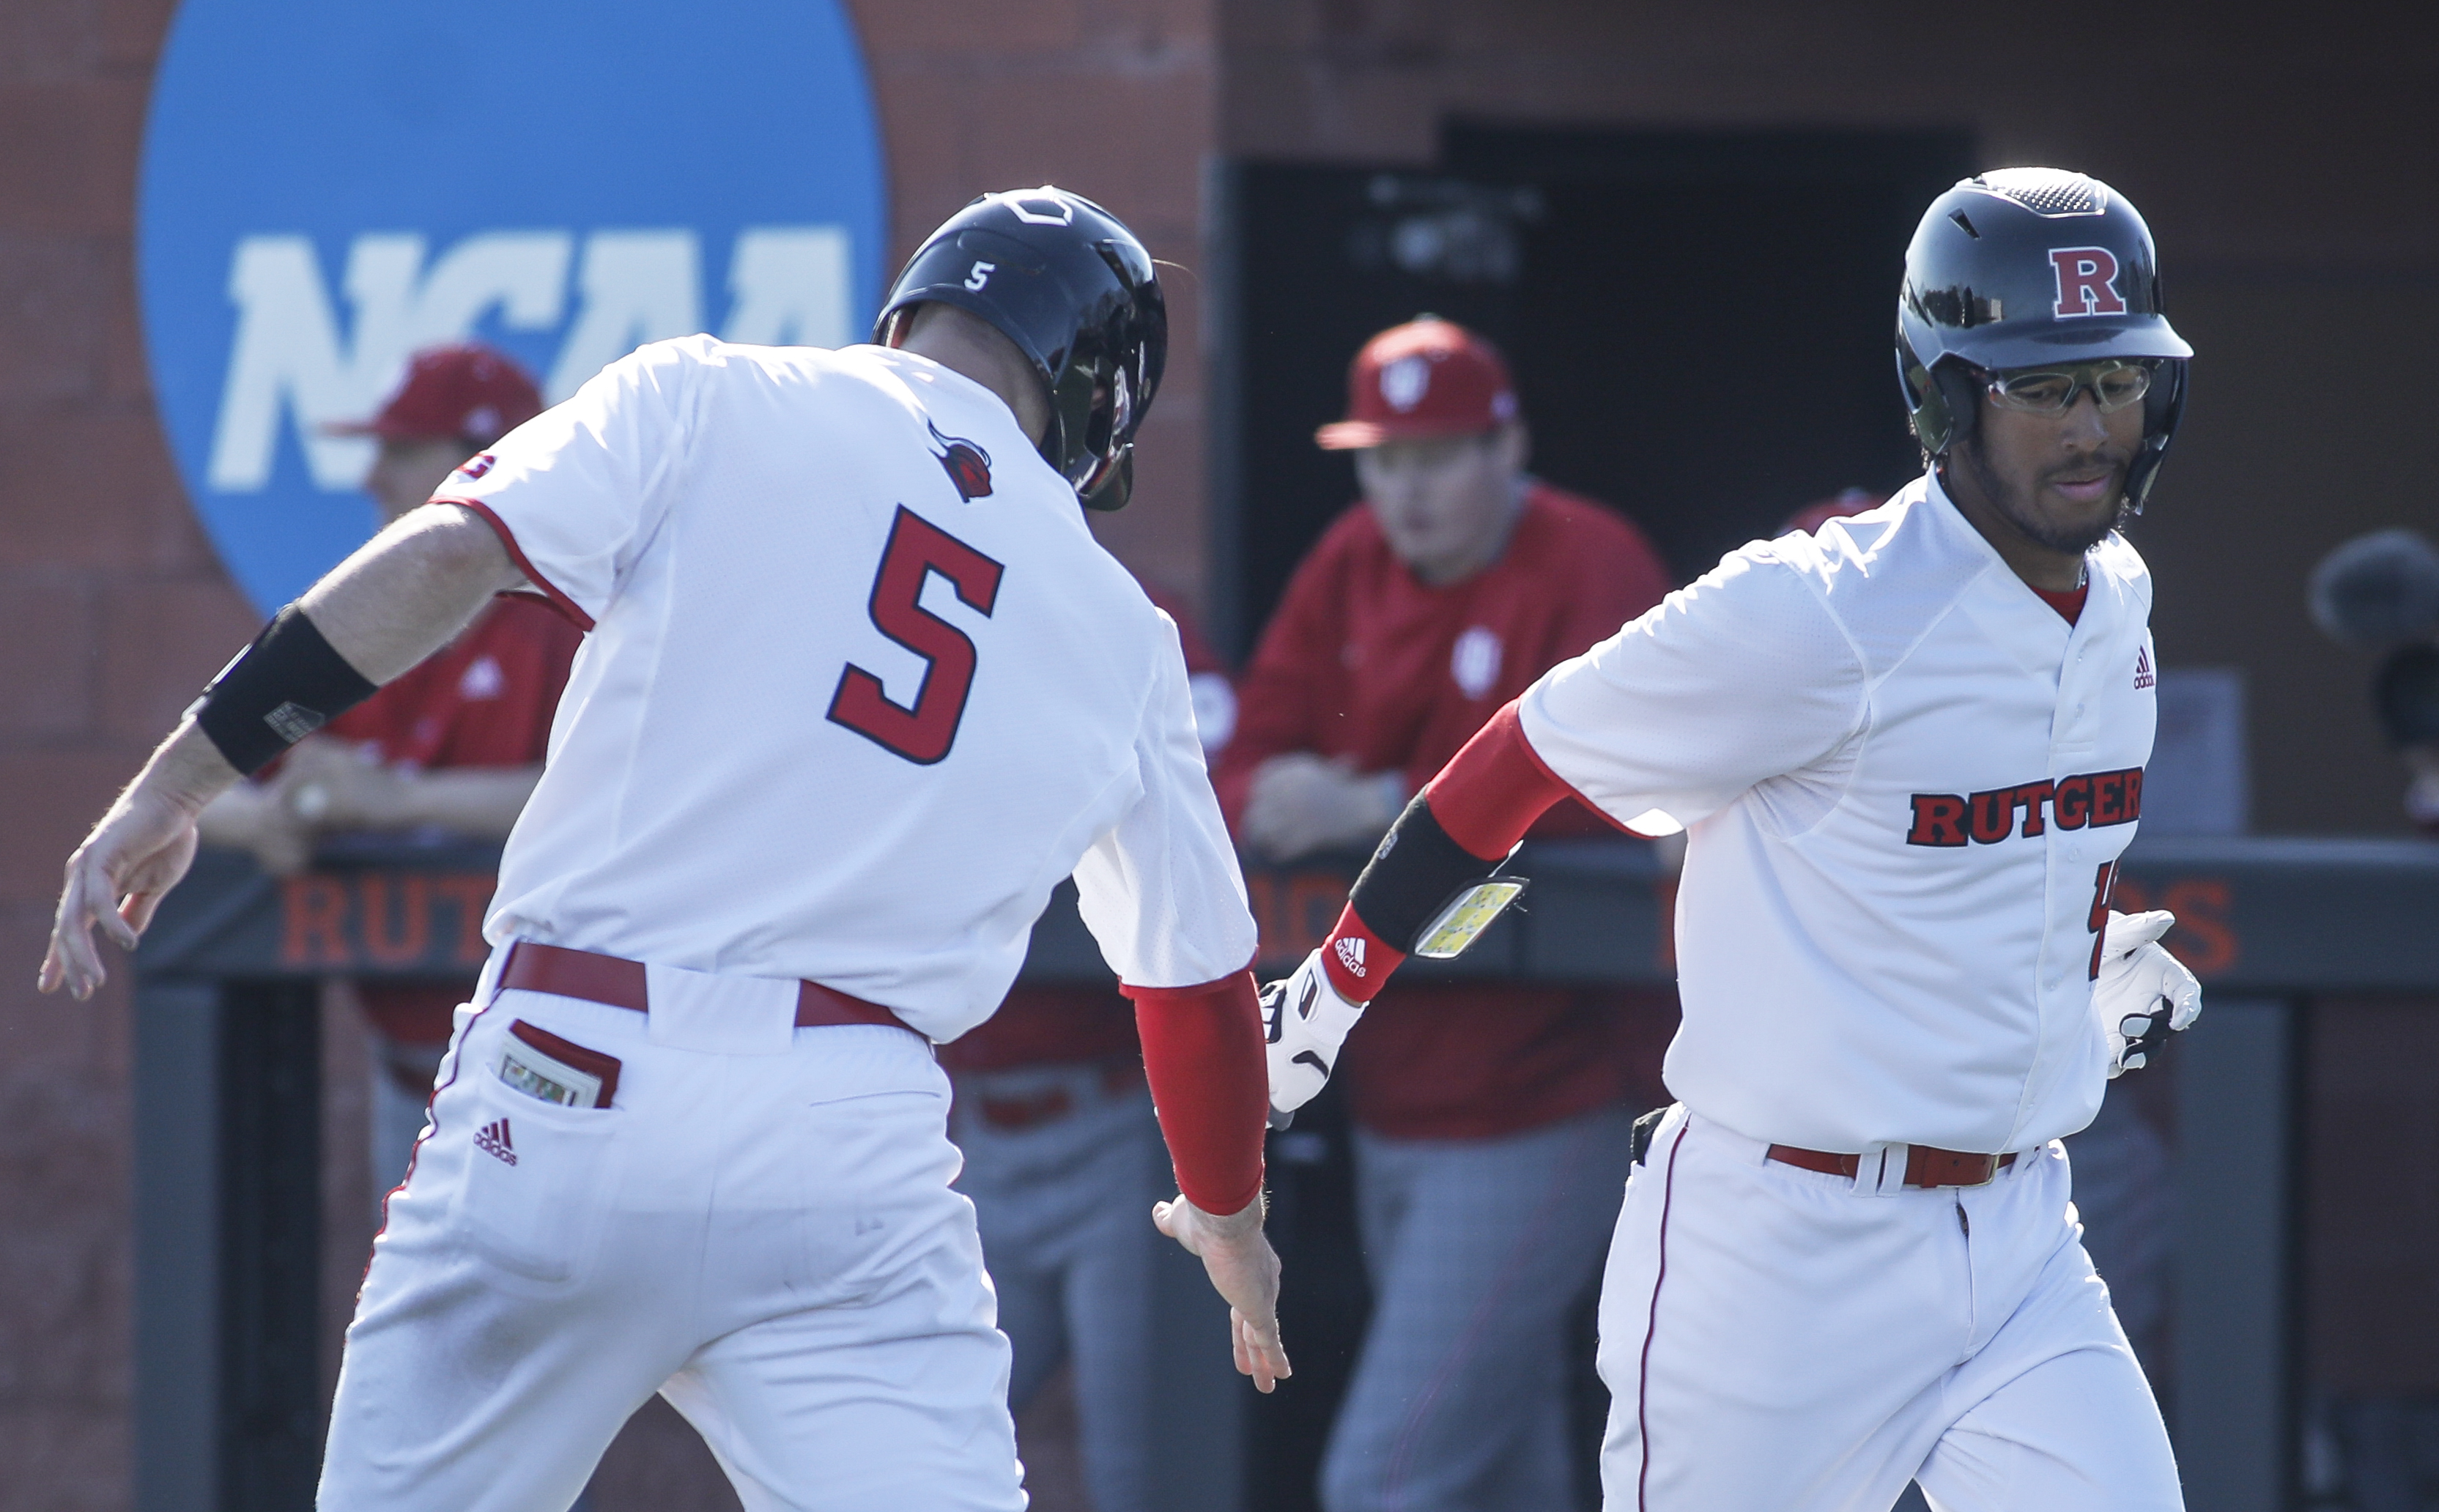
1300,803
251,817
327,784
1245,1271
133,857
115,881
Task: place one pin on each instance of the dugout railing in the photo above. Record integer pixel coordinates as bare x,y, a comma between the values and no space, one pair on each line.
228,1167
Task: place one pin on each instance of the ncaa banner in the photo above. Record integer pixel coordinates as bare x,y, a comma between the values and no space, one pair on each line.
328,188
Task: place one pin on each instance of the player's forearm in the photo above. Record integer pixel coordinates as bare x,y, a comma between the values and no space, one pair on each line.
1203,1058
467,800
232,816
410,590
1270,722
187,770
1464,821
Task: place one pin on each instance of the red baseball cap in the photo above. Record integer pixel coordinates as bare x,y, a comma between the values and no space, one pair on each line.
1428,377
466,391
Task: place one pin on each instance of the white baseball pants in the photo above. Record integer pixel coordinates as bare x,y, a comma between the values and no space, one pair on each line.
1775,1339
760,1227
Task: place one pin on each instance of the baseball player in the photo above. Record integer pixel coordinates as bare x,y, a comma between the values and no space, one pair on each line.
1908,750
1489,1116
1062,1153
454,745
2121,1163
859,688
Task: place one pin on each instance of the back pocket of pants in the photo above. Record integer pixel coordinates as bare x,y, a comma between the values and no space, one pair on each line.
535,1182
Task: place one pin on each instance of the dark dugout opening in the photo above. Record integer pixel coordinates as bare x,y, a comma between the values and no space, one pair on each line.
1698,322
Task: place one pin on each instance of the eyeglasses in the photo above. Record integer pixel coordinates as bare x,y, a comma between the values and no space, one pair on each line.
2114,384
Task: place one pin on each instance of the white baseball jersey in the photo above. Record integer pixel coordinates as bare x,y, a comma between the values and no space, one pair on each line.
1906,781
860,690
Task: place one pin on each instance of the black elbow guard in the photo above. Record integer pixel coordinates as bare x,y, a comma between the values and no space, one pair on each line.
283,687
1427,895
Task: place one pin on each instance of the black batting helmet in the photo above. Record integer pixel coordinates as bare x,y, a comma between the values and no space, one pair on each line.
2030,267
1067,282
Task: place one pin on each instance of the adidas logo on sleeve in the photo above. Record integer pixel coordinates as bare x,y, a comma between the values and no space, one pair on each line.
1351,955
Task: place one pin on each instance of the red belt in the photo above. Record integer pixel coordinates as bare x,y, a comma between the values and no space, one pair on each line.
620,983
1925,1165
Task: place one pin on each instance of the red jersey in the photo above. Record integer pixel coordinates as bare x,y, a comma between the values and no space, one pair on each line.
1045,1025
1364,660
485,700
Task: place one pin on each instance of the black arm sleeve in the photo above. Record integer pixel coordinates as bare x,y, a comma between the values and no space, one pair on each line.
1410,878
283,687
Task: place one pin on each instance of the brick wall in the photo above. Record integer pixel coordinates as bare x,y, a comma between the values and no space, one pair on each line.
112,611
1114,98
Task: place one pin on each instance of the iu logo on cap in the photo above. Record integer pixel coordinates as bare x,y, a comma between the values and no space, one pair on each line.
1405,382
2087,279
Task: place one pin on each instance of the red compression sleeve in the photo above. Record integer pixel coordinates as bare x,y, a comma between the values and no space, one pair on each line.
1486,798
1203,1055
1491,792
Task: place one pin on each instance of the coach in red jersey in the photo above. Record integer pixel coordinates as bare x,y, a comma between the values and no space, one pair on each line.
1482,1112
454,745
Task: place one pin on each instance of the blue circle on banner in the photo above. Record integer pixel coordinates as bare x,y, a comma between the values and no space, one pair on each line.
328,188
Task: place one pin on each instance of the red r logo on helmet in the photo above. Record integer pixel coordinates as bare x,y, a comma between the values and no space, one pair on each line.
2086,281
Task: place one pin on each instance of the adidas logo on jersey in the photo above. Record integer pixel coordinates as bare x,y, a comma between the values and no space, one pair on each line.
493,1139
1351,955
2143,677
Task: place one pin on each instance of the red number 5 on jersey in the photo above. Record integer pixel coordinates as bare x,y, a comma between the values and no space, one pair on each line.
923,733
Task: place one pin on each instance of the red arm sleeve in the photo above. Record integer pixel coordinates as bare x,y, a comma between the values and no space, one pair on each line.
1491,792
1202,1055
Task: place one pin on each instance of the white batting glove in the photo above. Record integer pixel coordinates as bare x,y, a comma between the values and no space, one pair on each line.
2144,994
1304,1021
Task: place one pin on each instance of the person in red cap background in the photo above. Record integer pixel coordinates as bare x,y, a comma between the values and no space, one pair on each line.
453,747
1491,1119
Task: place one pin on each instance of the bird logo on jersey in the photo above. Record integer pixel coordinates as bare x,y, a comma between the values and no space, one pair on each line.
968,465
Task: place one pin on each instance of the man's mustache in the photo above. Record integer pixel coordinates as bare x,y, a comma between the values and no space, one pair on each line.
2115,459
